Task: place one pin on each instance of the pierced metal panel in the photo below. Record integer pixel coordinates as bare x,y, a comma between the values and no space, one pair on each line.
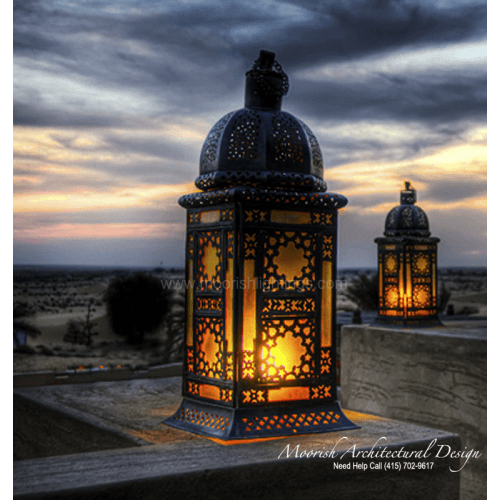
243,144
208,272
209,347
289,261
287,349
288,142
210,147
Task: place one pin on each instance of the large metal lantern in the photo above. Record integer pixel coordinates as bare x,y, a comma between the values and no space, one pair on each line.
261,258
407,266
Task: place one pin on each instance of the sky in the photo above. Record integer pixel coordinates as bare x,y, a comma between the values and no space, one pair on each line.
113,101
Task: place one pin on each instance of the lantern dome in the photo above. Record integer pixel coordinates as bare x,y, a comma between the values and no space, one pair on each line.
407,219
261,145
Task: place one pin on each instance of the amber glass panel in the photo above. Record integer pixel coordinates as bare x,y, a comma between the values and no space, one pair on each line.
290,261
391,299
288,394
287,217
408,285
210,261
393,313
326,305
282,357
209,391
434,281
249,305
380,283
210,216
228,309
190,305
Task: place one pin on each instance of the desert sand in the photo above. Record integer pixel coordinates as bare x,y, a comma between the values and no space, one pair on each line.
57,296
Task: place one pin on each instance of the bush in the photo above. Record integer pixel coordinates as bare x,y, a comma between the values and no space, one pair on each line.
81,331
21,326
136,305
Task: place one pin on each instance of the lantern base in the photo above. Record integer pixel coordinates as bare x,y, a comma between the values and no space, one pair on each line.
215,421
399,322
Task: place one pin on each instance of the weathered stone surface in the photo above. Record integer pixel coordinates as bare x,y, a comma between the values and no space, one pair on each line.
434,377
203,469
58,420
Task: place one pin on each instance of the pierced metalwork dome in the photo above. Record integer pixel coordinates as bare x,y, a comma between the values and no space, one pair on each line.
260,145
407,219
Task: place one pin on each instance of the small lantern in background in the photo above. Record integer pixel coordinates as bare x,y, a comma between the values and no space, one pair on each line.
261,252
407,266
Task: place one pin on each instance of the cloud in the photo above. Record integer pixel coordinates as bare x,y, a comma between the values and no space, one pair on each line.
113,101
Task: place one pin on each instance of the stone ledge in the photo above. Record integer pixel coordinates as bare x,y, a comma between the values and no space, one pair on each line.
434,377
204,469
184,465
36,379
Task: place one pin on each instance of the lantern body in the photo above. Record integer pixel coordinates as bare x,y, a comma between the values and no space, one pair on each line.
407,267
260,355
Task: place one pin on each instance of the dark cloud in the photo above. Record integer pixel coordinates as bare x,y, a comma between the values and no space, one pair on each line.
194,57
33,114
450,96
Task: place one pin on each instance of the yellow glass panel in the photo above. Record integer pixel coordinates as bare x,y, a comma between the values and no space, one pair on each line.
210,261
287,217
228,309
290,261
392,296
326,306
434,281
401,286
390,247
210,216
422,264
380,283
249,305
392,313
209,347
391,264
209,391
190,305
421,247
408,285
288,394
283,357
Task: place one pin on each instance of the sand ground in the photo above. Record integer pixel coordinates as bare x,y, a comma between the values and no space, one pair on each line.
58,298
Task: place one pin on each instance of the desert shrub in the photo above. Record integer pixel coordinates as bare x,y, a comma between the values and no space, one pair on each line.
136,305
363,291
21,312
81,331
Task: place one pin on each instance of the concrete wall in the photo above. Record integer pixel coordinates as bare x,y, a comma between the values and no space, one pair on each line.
435,377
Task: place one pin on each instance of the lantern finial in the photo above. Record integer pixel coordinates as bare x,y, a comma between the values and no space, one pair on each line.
266,83
408,194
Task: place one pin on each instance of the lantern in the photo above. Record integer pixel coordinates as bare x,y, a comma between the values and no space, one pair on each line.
261,267
407,266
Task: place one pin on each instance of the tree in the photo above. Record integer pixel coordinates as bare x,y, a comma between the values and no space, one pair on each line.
363,291
21,325
136,305
81,331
